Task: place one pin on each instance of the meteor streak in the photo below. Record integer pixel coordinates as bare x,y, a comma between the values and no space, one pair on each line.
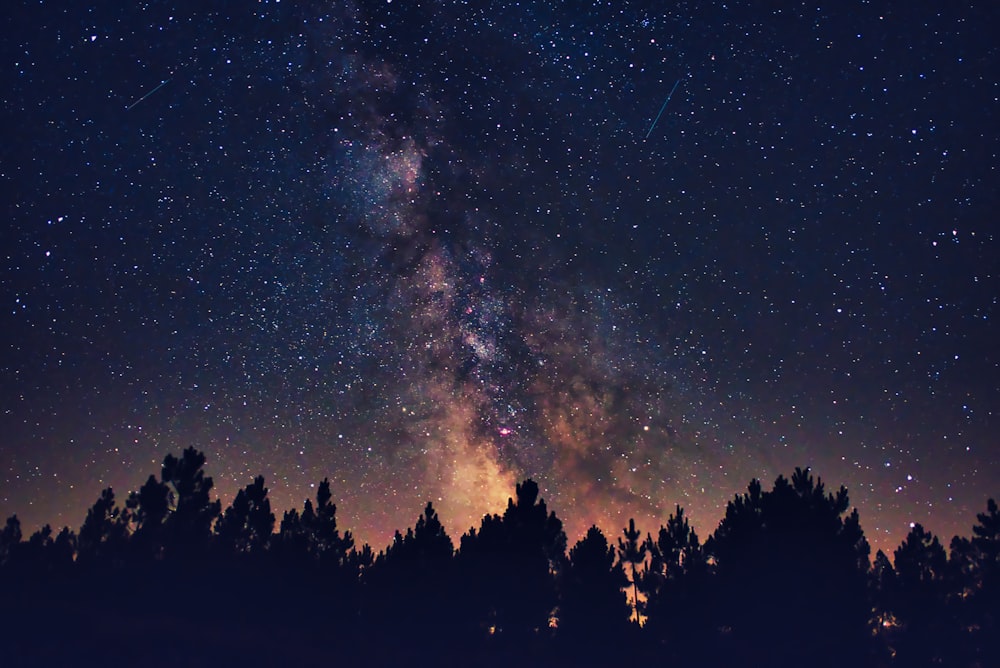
162,84
661,108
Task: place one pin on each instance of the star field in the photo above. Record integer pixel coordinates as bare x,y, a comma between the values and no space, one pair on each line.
429,249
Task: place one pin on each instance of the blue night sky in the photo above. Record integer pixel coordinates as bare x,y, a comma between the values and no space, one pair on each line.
427,249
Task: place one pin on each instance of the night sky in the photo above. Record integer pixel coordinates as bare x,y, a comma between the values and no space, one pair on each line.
428,249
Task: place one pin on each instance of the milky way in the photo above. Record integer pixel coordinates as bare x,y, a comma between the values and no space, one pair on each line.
427,251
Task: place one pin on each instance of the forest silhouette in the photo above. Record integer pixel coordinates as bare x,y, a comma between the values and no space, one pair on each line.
786,579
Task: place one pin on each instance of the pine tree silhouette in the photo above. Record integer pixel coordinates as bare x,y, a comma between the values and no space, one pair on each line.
10,539
674,584
189,525
104,533
361,560
917,598
881,585
148,509
246,526
327,544
34,553
632,551
409,591
317,566
508,568
63,550
784,580
593,610
984,604
791,576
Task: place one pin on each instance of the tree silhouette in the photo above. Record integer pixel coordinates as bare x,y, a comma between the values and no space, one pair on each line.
41,557
189,526
882,582
409,588
104,533
507,568
361,560
173,516
63,550
426,545
315,563
916,597
246,526
972,592
984,602
292,542
327,544
674,584
313,535
10,538
791,576
632,551
34,552
148,509
593,609
783,581
986,540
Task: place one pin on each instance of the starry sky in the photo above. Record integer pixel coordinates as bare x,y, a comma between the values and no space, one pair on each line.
639,251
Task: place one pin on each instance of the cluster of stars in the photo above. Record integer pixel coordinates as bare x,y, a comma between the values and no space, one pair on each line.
428,252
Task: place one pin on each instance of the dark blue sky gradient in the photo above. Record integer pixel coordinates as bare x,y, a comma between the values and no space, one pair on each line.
427,250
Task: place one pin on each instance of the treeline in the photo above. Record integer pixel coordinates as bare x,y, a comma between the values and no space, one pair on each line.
786,579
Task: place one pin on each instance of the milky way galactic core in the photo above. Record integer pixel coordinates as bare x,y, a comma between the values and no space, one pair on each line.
426,250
